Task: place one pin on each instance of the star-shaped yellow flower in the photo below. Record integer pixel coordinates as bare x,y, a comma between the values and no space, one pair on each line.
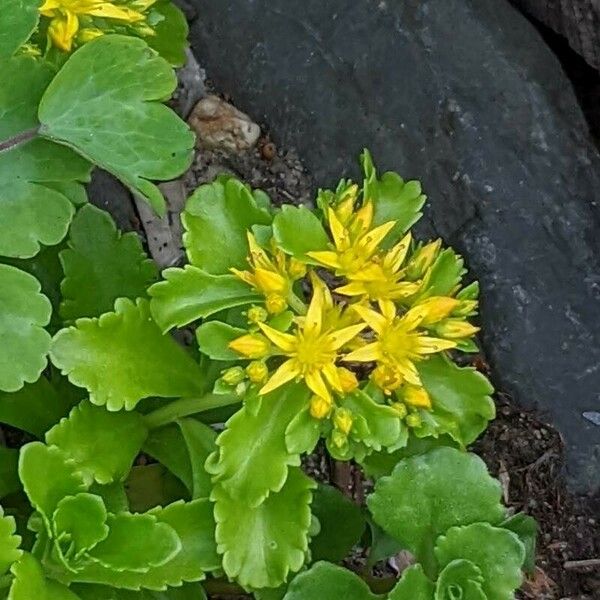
312,349
399,344
64,15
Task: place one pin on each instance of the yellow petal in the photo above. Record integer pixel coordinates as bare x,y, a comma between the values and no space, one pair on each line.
62,30
286,372
431,345
409,371
346,206
373,238
314,315
338,231
47,9
376,321
388,309
367,353
110,11
342,336
355,288
326,257
347,379
251,345
258,257
395,257
285,341
416,396
315,382
270,281
245,276
332,376
437,308
364,217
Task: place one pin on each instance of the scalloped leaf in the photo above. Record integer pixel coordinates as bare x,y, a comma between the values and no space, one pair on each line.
216,219
526,528
9,542
122,357
101,265
35,408
200,441
102,444
253,458
18,20
170,34
136,542
332,508
462,577
30,582
24,312
297,230
393,198
190,293
32,173
114,84
263,544
462,405
148,486
413,585
194,524
60,479
498,553
80,523
328,582
429,493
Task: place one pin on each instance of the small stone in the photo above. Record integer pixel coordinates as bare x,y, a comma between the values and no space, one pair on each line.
218,124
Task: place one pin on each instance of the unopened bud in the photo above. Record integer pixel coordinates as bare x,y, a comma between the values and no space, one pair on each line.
296,268
437,308
422,259
416,396
400,408
251,345
456,329
342,420
414,420
320,407
257,371
387,378
233,376
257,314
348,379
275,303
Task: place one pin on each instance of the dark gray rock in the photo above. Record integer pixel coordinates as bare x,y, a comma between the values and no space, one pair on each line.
465,96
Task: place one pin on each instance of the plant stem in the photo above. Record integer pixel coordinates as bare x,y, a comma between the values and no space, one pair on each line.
19,138
185,407
296,303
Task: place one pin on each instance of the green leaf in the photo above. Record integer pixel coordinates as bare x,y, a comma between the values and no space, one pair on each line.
498,553
214,338
216,219
152,485
9,542
113,495
34,408
24,312
60,477
80,522
111,85
460,577
328,582
101,265
200,443
342,524
413,585
429,493
297,230
18,20
102,444
303,433
190,293
263,544
194,525
170,39
445,275
461,399
136,542
9,476
122,357
29,582
393,198
253,459
39,212
526,528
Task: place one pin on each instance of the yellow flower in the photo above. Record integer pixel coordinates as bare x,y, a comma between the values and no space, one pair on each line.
399,343
272,277
320,407
354,240
342,420
257,371
64,15
383,278
312,349
422,259
251,345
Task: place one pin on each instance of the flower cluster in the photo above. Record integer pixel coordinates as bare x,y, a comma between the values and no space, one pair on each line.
379,315
74,22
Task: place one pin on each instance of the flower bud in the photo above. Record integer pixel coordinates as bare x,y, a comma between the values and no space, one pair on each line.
296,268
338,438
251,345
422,259
276,303
348,379
387,378
400,408
466,308
88,34
416,396
455,329
436,308
257,314
257,371
342,420
320,407
413,420
233,376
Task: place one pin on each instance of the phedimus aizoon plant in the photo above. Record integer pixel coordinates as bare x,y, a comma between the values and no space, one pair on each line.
136,466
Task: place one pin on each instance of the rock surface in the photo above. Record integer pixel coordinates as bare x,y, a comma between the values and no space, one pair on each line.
465,96
219,125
